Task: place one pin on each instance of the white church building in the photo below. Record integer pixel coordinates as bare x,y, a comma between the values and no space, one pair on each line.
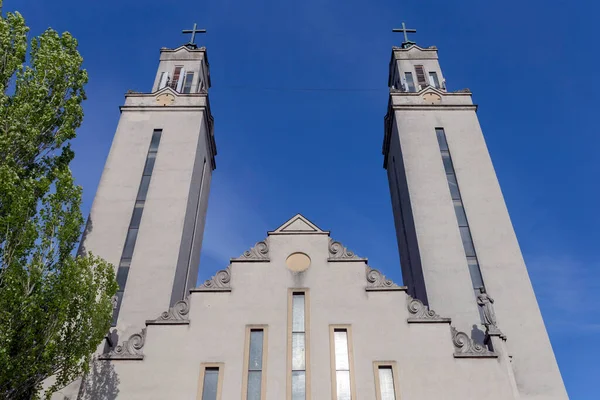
299,316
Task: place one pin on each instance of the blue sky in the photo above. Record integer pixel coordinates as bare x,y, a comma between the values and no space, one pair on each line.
283,150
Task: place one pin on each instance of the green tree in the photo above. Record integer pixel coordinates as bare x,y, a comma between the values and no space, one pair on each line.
55,306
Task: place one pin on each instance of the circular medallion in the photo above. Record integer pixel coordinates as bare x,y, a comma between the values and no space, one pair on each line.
432,98
298,262
165,99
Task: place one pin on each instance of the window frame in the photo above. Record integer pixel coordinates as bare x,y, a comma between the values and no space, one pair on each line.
348,329
393,365
203,367
291,292
263,378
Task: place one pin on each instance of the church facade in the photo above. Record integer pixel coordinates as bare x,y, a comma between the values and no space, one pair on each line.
300,316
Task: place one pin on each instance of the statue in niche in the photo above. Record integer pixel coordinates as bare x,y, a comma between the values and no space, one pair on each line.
486,302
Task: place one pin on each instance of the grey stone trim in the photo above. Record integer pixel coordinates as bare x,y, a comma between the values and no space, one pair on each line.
420,313
465,347
465,90
337,252
131,349
176,315
376,281
260,252
221,282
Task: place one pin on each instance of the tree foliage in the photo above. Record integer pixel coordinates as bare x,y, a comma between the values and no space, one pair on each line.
55,306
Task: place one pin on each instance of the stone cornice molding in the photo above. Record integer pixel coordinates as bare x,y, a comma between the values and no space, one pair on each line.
131,349
176,315
420,313
260,252
420,107
221,282
338,252
465,347
377,282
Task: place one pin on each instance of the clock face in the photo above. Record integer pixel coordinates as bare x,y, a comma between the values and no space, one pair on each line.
165,99
432,98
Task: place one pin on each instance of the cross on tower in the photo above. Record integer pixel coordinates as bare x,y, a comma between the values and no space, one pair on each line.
405,31
193,32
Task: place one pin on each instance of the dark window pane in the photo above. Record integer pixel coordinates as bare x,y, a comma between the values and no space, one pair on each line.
475,273
254,381
386,383
441,137
149,164
298,385
122,273
187,86
453,187
433,80
136,217
155,139
211,379
420,76
447,162
125,262
129,243
298,312
467,241
256,350
410,83
298,352
144,185
460,213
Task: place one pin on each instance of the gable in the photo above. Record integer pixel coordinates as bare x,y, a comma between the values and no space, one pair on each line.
298,224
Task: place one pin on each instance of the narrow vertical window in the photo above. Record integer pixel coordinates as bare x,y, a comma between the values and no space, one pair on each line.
254,382
211,382
187,86
176,75
298,348
420,76
459,210
385,380
433,80
343,388
134,224
410,82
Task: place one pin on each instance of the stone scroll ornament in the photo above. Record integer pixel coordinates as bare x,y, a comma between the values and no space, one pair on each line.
338,252
260,252
221,281
466,347
176,314
376,279
419,312
130,349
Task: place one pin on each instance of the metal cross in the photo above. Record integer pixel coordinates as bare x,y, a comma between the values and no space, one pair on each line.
193,32
405,31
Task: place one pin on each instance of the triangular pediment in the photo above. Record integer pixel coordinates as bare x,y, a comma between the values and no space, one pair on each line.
298,224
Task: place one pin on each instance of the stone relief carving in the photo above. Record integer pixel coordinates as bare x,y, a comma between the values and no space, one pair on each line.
131,349
220,282
464,346
178,314
260,252
421,313
337,252
377,281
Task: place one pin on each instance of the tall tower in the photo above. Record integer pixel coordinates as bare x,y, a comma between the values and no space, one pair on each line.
454,231
148,215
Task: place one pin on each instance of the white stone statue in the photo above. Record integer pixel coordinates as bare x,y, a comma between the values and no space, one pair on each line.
486,303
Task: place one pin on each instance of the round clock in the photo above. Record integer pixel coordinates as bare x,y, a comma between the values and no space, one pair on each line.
432,98
165,99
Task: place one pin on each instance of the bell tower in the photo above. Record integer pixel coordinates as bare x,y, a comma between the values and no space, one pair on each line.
454,231
148,215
